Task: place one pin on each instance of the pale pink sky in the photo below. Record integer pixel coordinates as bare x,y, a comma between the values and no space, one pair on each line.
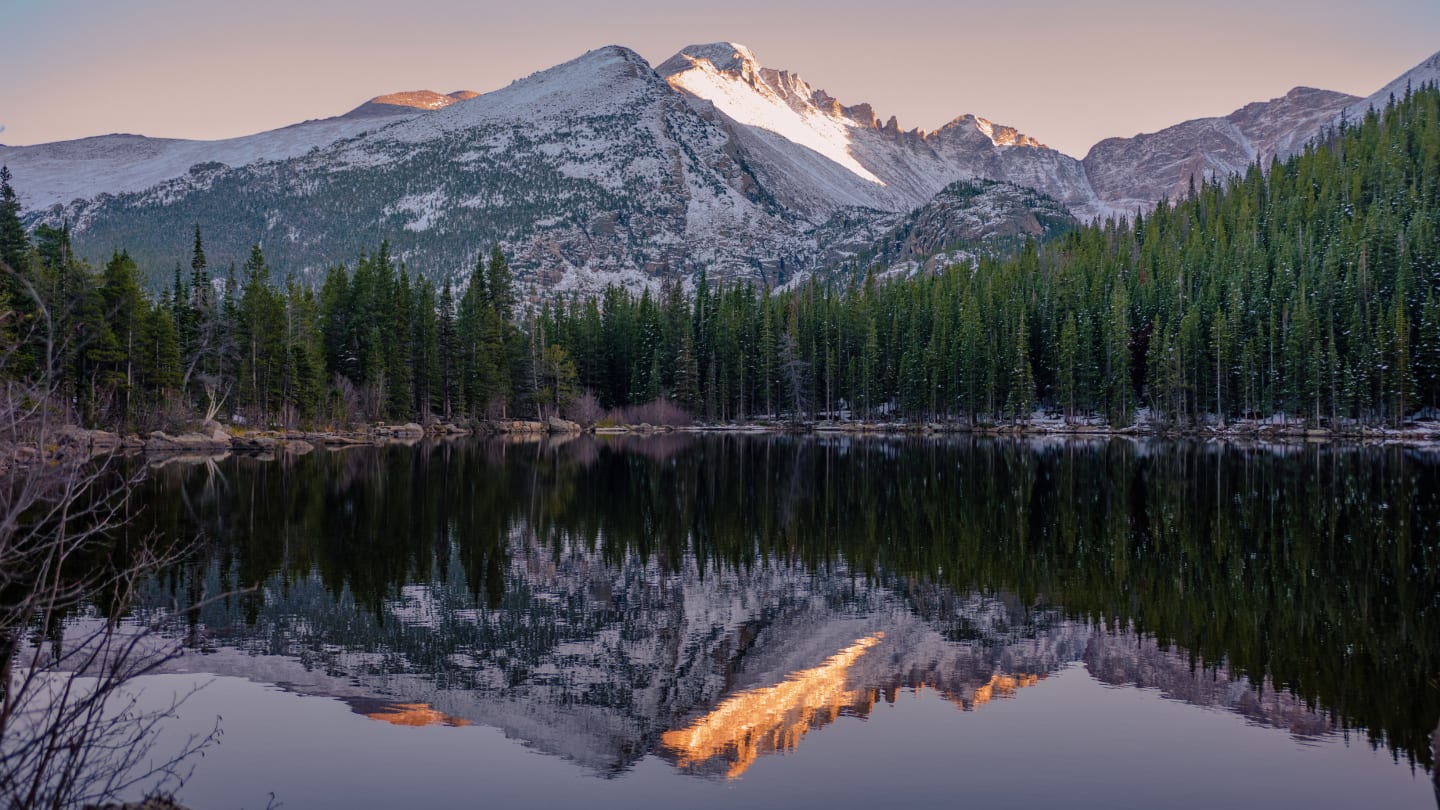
1066,72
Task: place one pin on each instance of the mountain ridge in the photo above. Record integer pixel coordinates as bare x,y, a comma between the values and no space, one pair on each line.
603,169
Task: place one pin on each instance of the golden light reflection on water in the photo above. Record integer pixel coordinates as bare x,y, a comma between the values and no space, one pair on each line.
416,715
770,719
1001,686
776,718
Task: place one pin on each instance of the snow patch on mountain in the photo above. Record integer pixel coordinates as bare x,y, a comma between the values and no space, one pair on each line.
711,76
423,209
818,156
58,173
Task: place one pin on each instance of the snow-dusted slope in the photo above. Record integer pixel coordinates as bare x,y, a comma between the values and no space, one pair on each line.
1427,72
604,170
818,155
60,172
591,172
1135,173
116,164
1132,174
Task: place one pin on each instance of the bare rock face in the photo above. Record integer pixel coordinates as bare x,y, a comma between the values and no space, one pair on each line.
399,103
966,218
1131,174
557,425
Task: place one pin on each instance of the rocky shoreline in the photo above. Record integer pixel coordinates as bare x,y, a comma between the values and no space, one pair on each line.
213,439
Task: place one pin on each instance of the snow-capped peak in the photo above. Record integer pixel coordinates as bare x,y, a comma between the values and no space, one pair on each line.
726,57
598,82
728,76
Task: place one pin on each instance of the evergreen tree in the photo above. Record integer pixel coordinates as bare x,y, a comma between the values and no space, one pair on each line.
14,245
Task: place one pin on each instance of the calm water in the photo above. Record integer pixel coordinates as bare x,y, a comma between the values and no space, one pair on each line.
810,623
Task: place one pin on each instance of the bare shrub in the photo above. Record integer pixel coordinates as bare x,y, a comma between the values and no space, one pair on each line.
660,412
585,409
72,731
346,401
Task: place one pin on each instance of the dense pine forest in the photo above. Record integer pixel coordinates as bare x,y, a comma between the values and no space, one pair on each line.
1309,288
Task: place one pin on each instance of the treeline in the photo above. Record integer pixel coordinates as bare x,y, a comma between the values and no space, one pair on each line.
369,344
1311,289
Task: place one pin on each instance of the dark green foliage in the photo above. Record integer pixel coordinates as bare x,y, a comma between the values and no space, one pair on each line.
14,246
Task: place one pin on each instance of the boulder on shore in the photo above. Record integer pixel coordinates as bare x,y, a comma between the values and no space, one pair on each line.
161,442
520,426
557,425
93,442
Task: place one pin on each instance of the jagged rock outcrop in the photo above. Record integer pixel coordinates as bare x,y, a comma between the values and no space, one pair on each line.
965,219
817,155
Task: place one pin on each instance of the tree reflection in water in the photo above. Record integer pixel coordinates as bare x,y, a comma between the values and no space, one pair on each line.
634,586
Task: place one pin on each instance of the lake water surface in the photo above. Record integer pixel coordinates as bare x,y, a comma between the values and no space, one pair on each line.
708,621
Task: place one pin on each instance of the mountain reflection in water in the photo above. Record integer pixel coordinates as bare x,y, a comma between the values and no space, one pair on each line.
712,599
773,718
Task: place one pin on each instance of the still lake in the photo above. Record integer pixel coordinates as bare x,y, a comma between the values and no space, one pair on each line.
717,621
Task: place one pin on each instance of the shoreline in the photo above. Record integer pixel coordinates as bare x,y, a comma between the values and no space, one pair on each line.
215,440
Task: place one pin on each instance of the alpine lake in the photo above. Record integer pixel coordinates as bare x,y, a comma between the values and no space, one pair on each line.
692,620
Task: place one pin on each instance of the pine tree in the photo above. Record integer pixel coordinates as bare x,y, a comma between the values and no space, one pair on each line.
1117,357
687,375
1020,400
1069,366
125,313
1427,354
1402,382
500,286
14,245
158,364
558,379
447,349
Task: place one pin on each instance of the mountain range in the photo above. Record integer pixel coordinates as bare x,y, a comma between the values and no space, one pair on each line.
605,169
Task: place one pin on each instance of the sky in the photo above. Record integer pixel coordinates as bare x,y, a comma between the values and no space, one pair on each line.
1066,72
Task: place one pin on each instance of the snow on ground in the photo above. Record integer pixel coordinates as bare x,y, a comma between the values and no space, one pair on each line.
58,173
423,209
